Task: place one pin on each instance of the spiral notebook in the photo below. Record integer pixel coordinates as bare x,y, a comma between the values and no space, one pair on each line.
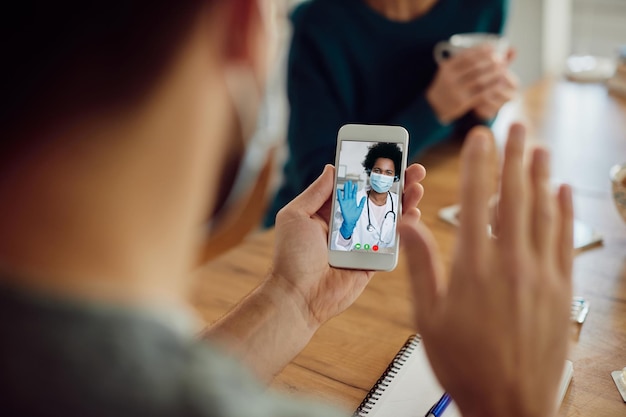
409,388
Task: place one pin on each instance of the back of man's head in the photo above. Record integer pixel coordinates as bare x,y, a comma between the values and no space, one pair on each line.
69,59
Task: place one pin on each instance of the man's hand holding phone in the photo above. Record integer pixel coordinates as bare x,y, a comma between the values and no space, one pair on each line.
301,291
301,257
349,208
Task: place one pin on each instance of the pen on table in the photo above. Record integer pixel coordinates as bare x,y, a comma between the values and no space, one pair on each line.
440,406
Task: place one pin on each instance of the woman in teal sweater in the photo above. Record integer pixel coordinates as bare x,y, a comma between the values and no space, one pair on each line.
371,61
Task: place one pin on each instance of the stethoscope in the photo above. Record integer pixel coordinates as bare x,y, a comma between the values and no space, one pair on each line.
370,227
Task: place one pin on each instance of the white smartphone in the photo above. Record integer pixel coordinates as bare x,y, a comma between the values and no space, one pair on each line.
367,203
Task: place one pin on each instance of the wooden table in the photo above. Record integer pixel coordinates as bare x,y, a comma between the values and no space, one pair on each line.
586,131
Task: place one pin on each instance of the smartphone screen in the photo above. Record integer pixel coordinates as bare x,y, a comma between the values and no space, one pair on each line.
367,200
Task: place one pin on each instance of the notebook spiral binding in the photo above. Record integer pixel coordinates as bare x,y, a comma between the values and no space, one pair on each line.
385,379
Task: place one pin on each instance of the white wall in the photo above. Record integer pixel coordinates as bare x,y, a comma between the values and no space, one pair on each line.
598,26
541,32
545,32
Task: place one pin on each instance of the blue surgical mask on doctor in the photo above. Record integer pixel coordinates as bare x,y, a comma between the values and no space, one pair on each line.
381,183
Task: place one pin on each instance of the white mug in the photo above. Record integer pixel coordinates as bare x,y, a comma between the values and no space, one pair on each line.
461,41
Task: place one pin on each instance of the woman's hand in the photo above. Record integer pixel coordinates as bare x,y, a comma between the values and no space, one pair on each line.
500,93
461,82
496,331
474,79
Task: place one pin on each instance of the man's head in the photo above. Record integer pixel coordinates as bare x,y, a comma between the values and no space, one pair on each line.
83,60
65,60
121,128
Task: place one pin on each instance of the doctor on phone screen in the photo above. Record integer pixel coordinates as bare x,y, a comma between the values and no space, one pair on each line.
366,219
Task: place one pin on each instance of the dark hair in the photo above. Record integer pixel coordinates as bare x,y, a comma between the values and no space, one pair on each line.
383,150
70,58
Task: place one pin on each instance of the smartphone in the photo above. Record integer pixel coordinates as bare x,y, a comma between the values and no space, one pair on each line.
367,202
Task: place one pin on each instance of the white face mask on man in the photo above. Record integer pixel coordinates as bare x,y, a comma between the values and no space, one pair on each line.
258,116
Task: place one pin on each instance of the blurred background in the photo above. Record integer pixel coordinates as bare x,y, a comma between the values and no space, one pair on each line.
547,32
580,41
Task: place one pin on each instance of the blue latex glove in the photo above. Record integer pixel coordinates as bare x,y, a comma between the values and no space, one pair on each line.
349,209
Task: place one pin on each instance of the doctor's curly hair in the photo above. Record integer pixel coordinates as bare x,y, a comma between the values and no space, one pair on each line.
383,150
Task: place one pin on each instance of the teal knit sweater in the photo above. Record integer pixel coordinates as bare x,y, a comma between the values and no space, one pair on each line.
349,64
